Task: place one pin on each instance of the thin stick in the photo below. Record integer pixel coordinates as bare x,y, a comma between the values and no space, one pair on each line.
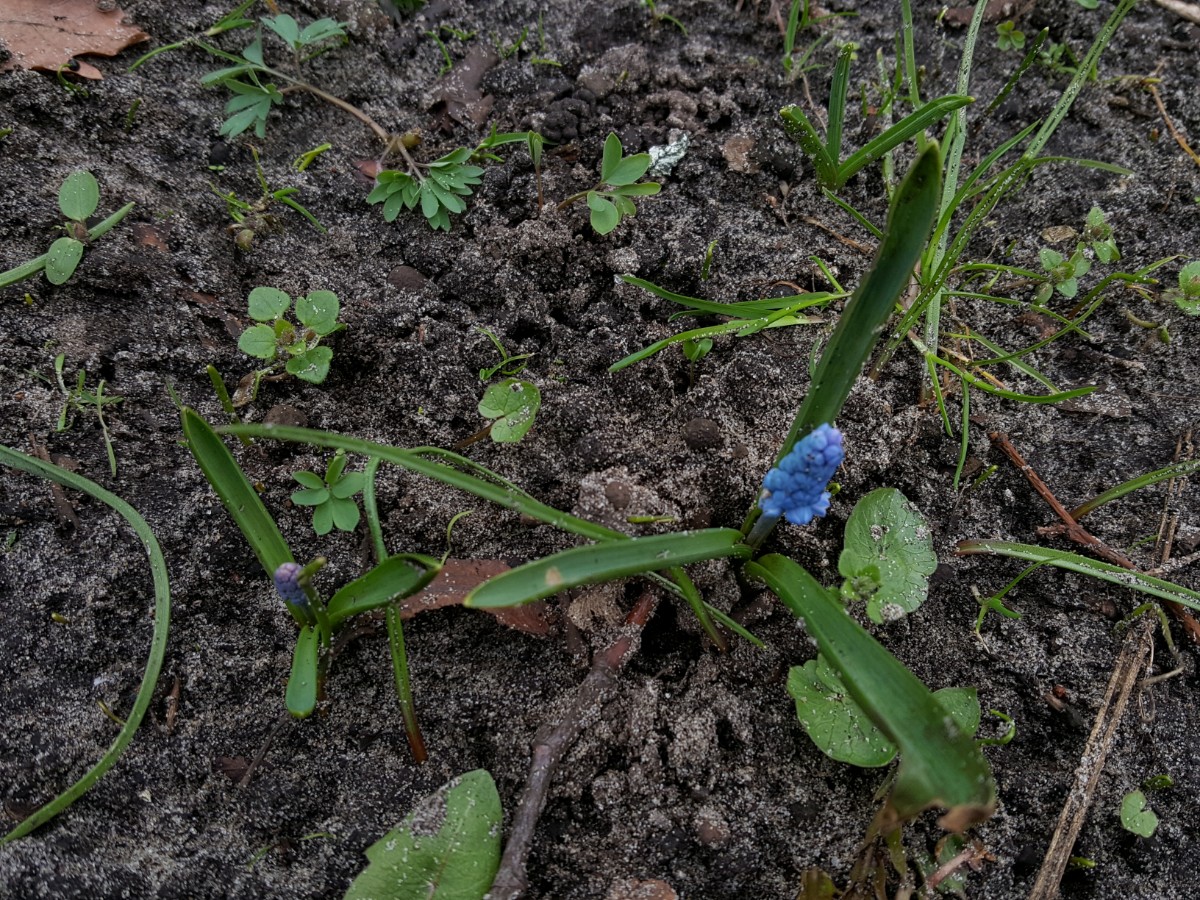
283,722
1080,535
1133,655
1179,139
1074,530
551,746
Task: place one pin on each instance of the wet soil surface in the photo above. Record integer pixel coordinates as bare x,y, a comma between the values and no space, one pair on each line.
697,774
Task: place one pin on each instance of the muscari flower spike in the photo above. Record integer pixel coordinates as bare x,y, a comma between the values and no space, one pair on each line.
796,487
287,583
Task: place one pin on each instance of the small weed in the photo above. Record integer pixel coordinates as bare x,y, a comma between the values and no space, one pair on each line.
1187,296
1062,273
78,398
78,197
512,404
1136,817
611,199
287,348
440,187
1008,37
331,497
658,16
250,219
510,364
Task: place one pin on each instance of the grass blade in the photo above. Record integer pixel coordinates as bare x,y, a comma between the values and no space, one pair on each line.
301,693
158,642
910,125
1178,470
1082,565
598,563
939,765
395,577
236,492
837,102
801,130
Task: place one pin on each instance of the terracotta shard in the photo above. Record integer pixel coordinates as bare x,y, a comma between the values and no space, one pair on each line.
46,35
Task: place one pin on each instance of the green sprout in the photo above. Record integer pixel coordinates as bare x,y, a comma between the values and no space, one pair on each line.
610,200
1187,296
1098,235
250,219
78,398
1008,37
510,364
331,497
440,187
826,154
1063,273
1136,817
78,197
512,405
286,347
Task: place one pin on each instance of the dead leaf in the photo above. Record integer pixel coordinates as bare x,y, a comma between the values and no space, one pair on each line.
458,578
149,236
48,34
232,767
458,97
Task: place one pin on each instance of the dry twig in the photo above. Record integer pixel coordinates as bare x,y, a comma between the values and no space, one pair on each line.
550,746
1130,661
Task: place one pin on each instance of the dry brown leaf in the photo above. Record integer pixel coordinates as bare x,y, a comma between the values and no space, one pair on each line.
48,34
457,579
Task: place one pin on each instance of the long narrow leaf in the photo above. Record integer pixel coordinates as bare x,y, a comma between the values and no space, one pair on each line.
746,309
236,492
801,130
910,125
301,693
158,642
397,576
1082,565
1177,470
939,765
837,102
604,562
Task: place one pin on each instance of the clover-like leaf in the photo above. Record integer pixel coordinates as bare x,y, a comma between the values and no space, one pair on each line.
447,847
62,259
310,480
319,311
1136,817
348,485
266,304
629,170
285,26
888,543
311,496
79,196
258,341
513,404
345,513
311,365
611,157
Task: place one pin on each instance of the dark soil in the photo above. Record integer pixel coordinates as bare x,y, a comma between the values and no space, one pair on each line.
698,773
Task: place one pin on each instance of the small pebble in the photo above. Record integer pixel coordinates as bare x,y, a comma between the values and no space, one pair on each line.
702,434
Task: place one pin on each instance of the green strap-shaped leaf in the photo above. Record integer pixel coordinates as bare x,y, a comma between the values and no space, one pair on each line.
910,125
940,766
1082,565
604,562
447,848
235,491
397,576
909,222
301,694
801,130
158,643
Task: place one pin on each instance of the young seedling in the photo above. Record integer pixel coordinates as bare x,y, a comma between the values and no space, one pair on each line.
1098,235
253,99
1187,296
509,365
287,348
1063,273
250,219
440,187
79,399
826,154
1008,37
611,199
78,197
331,497
1136,816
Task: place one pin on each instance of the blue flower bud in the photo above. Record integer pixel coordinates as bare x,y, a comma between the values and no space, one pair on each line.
796,487
287,583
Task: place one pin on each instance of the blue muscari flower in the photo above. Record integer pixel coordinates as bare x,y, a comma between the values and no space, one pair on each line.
796,487
287,583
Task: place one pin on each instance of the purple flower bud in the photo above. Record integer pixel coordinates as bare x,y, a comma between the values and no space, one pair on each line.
796,487
287,583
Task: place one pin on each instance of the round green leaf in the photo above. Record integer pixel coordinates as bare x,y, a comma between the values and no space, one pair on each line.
1136,817
311,496
258,341
267,304
62,258
323,519
514,404
888,544
79,196
310,480
312,365
604,215
349,485
318,311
